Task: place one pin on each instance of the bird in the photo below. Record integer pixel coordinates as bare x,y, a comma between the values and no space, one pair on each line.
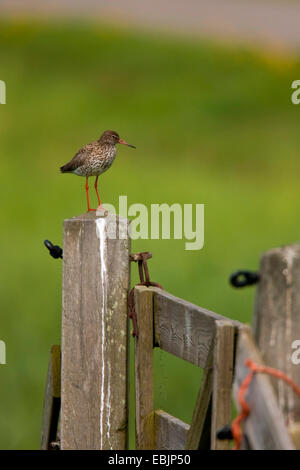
94,159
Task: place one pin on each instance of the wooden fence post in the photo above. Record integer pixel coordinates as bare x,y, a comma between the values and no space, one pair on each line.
222,381
264,428
51,401
95,349
277,320
143,345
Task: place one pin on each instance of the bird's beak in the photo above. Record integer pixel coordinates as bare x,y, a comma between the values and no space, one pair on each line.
125,143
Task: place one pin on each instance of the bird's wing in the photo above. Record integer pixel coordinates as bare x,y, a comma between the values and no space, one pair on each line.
78,159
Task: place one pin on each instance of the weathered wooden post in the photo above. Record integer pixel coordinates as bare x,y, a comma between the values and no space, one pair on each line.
94,390
264,427
277,321
52,401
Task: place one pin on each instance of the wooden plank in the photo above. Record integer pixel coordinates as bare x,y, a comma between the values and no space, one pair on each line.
51,400
95,333
294,432
222,381
184,329
170,433
276,321
202,413
144,395
265,426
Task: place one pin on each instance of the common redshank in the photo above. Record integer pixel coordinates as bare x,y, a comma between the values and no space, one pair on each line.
94,159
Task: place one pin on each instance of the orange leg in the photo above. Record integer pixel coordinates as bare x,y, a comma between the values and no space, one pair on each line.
96,188
87,194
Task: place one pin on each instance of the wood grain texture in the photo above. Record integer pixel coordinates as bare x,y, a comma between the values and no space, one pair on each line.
170,433
184,329
276,320
51,400
265,427
222,381
143,346
294,433
95,333
201,420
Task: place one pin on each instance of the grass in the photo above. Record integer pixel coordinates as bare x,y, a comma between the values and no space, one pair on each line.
212,124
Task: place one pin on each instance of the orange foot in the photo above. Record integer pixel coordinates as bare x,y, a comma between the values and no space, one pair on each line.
101,208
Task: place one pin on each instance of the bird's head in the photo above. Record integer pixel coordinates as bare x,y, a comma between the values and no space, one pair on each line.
113,138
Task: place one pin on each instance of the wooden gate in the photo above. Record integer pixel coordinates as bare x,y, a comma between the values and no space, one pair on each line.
93,382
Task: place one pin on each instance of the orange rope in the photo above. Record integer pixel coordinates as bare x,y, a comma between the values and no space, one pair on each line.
245,409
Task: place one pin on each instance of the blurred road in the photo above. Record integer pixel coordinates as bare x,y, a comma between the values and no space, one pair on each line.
273,23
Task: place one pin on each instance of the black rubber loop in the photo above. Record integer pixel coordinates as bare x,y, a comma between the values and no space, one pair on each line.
224,433
244,278
54,250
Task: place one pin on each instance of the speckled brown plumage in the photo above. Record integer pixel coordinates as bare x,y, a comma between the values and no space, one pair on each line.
94,159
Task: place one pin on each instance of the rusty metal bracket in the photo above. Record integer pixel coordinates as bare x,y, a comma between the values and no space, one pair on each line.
141,258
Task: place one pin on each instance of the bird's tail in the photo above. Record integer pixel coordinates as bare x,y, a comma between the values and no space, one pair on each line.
64,169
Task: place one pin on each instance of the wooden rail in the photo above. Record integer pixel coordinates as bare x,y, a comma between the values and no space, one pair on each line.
170,432
184,329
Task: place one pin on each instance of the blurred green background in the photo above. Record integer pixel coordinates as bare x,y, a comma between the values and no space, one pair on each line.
212,124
